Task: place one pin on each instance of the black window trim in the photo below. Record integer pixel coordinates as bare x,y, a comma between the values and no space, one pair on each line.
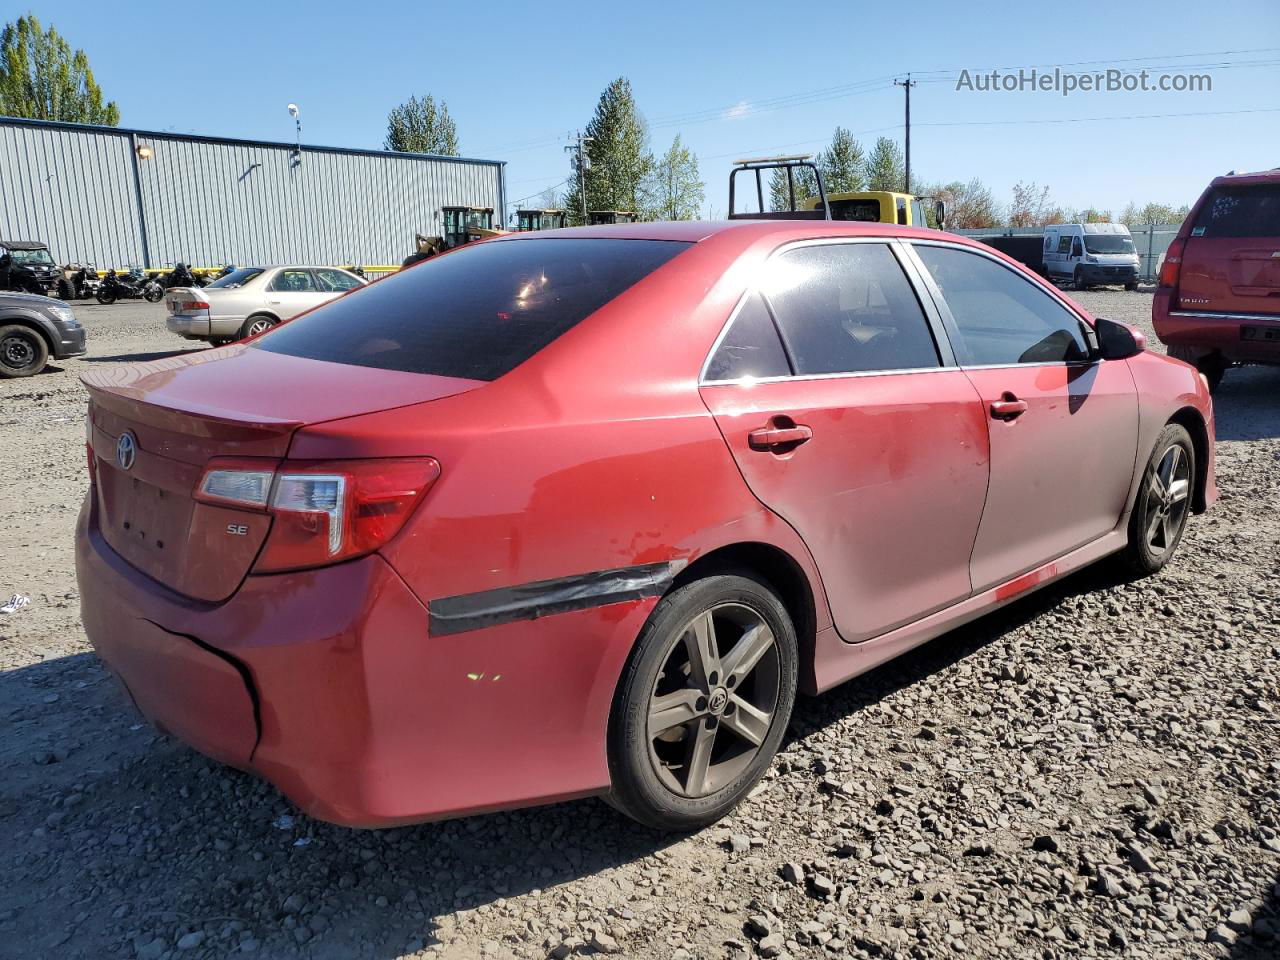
911,268
953,329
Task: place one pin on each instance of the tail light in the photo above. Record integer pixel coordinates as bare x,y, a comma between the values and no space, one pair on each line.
1172,265
322,513
186,305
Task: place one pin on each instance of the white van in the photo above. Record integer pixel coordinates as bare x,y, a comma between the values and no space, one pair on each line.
1091,253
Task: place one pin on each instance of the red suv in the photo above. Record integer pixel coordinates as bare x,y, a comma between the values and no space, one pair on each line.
578,512
1218,302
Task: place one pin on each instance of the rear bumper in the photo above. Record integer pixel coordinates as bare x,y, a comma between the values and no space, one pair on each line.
327,684
1240,337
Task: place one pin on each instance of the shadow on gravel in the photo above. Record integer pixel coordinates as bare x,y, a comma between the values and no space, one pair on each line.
1263,942
1247,404
138,357
137,837
814,713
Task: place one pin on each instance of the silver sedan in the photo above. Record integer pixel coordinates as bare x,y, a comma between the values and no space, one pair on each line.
250,300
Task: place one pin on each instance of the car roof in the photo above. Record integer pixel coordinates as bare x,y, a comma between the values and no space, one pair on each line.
695,231
1245,179
24,245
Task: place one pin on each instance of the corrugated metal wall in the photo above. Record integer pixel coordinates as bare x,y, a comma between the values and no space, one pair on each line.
209,202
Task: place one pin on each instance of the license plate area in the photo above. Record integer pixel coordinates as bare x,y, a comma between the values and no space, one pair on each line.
1267,334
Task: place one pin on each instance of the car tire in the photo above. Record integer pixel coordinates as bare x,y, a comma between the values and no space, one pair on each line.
685,762
1163,503
1077,281
257,324
1131,286
23,352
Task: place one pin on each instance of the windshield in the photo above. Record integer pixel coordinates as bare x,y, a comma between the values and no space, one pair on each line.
32,257
475,313
1107,243
237,278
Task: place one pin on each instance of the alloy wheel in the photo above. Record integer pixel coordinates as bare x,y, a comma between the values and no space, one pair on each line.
1168,496
714,700
259,326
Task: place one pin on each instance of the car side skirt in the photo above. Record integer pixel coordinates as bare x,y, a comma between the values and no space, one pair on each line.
837,661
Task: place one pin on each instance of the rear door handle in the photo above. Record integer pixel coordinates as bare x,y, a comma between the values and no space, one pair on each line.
1008,407
775,438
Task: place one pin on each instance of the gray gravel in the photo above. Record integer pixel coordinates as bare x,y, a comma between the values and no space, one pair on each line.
1090,772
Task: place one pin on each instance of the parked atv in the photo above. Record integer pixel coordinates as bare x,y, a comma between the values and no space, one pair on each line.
26,266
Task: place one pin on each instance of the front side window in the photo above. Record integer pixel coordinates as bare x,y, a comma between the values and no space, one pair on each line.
751,348
293,281
848,308
1001,317
475,313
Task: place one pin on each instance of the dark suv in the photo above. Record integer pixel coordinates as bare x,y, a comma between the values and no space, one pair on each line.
1218,302
34,329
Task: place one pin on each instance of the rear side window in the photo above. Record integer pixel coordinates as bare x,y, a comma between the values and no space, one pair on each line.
293,281
751,348
475,313
848,308
1001,318
1246,211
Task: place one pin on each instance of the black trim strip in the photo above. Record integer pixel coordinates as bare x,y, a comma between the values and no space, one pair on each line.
529,601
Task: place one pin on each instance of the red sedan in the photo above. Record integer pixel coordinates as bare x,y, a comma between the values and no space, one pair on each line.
579,512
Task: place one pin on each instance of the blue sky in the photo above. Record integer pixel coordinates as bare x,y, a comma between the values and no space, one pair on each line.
733,79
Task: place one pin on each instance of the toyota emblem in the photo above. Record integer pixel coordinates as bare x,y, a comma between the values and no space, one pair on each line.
126,450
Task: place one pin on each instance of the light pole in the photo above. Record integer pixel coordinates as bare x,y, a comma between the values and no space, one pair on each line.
297,143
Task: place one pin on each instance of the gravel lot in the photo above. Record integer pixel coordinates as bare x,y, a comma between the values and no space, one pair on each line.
1092,771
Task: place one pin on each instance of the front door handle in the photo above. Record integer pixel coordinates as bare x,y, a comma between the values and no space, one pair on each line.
1008,407
779,437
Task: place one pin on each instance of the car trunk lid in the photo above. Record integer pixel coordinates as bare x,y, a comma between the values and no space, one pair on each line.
1231,261
180,412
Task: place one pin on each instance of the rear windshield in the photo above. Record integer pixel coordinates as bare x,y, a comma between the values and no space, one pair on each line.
1244,211
477,312
237,278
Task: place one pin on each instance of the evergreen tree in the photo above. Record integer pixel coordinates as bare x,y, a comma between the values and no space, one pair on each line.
619,162
41,78
884,167
842,164
422,126
806,186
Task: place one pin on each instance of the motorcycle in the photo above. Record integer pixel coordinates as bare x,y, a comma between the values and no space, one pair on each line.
134,285
83,283
179,276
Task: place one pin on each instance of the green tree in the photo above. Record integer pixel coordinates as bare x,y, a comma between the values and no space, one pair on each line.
884,167
779,194
1153,213
675,189
619,162
41,78
968,204
422,126
843,164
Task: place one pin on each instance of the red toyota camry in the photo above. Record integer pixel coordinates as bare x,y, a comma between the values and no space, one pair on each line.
579,512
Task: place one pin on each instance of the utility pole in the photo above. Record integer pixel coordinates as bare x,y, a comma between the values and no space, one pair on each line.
583,164
906,85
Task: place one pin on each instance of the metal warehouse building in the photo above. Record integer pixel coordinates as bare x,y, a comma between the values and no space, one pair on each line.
116,197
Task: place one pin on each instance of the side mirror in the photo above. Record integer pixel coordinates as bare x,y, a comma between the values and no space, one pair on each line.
940,213
1117,341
